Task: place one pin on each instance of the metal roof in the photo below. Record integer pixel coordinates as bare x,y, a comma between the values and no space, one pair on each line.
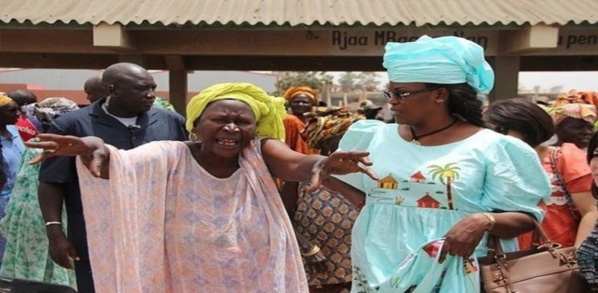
293,13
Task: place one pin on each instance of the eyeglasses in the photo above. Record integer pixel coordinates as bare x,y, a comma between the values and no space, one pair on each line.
401,96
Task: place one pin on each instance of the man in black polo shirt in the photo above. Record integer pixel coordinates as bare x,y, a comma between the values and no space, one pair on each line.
124,119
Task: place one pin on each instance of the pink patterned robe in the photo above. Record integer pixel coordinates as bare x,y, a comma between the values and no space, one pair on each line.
164,224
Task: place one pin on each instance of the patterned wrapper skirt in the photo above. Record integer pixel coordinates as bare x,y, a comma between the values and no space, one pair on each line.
326,219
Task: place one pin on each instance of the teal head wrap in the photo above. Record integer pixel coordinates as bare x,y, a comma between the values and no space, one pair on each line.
443,60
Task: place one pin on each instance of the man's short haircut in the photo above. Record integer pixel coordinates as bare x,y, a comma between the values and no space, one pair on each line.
22,97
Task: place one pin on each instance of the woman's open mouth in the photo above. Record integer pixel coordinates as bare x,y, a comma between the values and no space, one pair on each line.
227,142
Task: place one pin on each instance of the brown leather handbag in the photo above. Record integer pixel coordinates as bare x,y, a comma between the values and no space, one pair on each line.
546,267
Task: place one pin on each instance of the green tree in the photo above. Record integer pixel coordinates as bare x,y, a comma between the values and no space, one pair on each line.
348,81
367,81
313,79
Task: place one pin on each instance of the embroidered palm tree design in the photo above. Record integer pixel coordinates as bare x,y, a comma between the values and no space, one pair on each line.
446,175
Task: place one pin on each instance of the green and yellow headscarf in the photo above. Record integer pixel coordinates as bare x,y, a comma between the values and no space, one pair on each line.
268,110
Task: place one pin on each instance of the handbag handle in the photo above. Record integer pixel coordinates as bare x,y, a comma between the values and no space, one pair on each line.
496,254
554,158
539,241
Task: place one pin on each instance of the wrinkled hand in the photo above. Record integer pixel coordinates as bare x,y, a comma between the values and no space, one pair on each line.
62,250
464,237
316,263
91,149
341,163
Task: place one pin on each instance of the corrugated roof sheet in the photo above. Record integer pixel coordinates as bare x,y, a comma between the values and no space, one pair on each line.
301,12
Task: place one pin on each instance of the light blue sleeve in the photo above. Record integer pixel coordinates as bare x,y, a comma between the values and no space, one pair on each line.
515,178
17,141
358,138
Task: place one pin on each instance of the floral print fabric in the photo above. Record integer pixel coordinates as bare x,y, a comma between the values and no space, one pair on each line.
326,219
26,255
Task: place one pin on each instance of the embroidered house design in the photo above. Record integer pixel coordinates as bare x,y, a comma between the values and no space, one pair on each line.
418,177
428,201
388,182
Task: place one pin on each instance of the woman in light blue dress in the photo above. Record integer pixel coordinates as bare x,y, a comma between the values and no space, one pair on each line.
446,181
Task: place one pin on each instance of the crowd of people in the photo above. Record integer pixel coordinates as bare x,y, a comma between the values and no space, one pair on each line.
249,192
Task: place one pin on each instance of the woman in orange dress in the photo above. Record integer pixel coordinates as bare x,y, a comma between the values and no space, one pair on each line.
571,209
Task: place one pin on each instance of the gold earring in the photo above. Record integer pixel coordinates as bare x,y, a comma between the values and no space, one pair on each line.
193,137
439,101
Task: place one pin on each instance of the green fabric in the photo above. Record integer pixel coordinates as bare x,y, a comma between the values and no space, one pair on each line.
26,254
163,103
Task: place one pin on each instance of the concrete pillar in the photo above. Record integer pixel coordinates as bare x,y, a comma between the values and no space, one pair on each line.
506,70
326,93
177,82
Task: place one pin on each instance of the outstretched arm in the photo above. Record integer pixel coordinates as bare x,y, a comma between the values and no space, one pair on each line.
92,150
289,165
